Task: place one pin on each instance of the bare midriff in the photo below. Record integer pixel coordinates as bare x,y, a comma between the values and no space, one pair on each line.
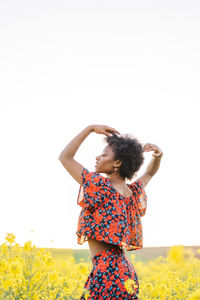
97,246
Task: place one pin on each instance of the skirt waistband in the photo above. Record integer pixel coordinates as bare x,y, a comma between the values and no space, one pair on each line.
107,252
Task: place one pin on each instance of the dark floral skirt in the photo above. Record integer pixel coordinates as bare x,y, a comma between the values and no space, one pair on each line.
112,277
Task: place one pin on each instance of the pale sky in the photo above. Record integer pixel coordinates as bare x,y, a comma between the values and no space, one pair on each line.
132,65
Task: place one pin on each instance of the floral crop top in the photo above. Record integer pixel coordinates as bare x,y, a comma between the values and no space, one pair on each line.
108,216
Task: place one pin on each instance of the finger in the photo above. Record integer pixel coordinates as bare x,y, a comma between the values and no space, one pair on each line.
152,146
107,133
147,146
156,155
149,149
116,131
113,130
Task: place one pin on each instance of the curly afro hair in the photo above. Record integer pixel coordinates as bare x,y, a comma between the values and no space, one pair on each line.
129,151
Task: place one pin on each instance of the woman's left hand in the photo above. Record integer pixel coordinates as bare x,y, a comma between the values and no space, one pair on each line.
103,129
152,147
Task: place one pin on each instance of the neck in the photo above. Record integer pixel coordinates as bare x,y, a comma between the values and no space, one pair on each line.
116,178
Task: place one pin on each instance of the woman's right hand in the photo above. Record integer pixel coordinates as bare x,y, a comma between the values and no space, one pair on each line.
152,147
103,129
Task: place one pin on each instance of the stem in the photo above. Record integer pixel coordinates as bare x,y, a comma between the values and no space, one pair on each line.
29,276
39,285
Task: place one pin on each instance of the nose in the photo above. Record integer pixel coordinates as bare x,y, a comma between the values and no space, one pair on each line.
97,158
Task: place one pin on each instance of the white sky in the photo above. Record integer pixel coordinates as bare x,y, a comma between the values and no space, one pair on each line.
132,65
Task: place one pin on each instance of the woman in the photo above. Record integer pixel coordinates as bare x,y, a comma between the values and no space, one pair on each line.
110,219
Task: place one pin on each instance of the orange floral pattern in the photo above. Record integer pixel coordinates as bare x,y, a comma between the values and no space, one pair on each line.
110,272
108,216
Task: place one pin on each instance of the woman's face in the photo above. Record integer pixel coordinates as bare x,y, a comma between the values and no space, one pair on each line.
105,161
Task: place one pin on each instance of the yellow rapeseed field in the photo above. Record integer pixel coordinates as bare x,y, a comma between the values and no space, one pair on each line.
30,273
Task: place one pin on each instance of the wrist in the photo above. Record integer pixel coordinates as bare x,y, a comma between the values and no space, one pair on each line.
158,155
89,128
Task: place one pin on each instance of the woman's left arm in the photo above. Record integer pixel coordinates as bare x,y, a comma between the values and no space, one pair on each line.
67,155
154,164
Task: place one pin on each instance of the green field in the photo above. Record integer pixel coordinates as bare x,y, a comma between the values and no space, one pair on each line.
145,254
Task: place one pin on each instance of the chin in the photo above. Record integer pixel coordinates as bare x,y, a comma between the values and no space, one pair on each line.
97,170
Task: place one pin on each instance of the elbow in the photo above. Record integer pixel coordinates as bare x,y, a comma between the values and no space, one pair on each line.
60,157
64,158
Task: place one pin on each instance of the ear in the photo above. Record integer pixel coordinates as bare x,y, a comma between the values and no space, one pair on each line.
118,163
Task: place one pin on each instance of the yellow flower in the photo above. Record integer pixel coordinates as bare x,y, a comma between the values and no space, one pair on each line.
133,257
149,286
82,268
28,246
39,274
176,254
10,238
53,276
49,261
130,285
6,283
15,267
86,293
4,248
3,265
195,295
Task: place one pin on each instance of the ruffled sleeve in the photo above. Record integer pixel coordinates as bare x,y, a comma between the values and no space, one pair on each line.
140,196
92,192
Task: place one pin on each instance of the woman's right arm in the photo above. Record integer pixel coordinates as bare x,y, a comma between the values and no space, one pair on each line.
154,164
67,155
